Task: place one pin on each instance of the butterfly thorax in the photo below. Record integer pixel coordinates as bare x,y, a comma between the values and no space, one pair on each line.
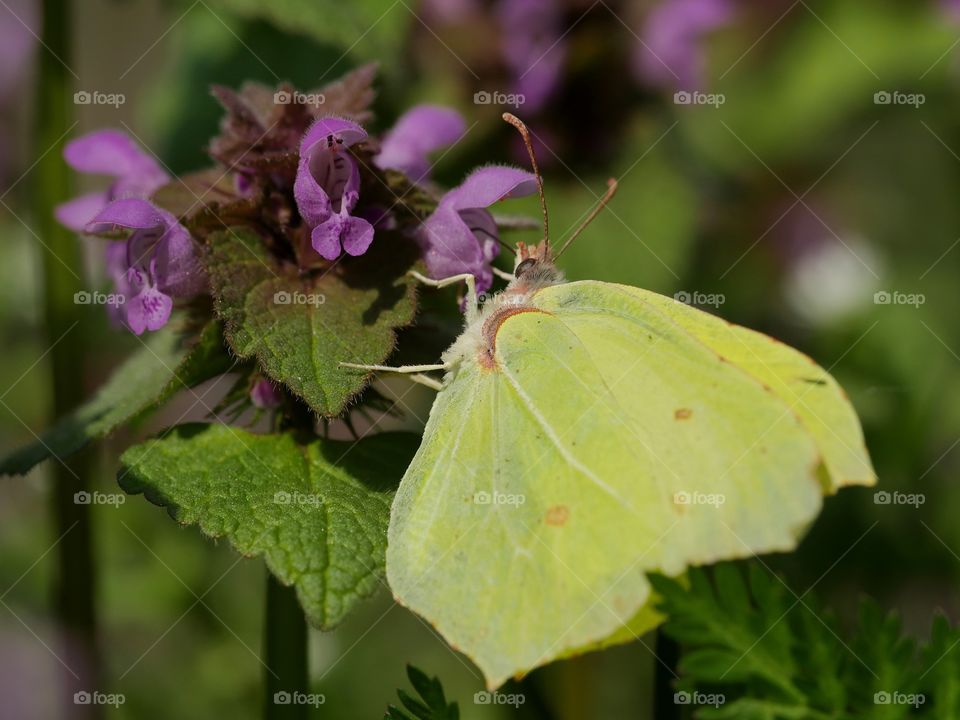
478,341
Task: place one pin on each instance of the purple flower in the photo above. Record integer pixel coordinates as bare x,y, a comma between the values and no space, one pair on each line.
265,395
671,53
461,235
108,152
328,186
156,263
417,133
533,48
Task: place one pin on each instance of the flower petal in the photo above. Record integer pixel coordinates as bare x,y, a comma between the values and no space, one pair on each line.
326,180
76,213
357,234
264,394
130,214
417,133
176,268
670,52
112,152
451,248
488,185
325,237
148,310
328,129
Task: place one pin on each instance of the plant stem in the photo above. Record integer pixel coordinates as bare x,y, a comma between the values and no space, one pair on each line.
664,707
62,265
285,655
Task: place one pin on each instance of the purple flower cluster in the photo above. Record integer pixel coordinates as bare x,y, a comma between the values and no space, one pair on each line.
156,262
460,236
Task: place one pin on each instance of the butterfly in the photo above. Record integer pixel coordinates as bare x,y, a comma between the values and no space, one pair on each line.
588,433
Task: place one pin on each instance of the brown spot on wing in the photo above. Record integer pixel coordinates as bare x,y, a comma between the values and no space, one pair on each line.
682,414
557,515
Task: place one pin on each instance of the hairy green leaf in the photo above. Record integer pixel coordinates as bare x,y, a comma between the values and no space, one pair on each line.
317,513
167,362
300,327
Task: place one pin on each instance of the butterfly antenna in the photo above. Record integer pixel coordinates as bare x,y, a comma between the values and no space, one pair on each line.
611,191
518,124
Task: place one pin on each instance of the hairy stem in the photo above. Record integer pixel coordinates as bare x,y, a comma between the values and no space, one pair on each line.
285,654
74,593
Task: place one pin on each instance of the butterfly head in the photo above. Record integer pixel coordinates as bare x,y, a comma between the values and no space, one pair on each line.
535,267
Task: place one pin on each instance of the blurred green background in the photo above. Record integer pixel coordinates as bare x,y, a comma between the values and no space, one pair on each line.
791,205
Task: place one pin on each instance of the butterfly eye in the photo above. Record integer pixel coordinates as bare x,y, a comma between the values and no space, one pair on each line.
524,266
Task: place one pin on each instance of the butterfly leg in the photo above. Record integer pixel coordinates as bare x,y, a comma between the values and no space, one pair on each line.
443,282
415,372
503,274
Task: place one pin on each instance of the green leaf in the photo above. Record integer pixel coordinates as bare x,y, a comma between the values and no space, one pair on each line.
346,314
434,705
167,362
735,640
940,682
368,28
774,656
317,513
